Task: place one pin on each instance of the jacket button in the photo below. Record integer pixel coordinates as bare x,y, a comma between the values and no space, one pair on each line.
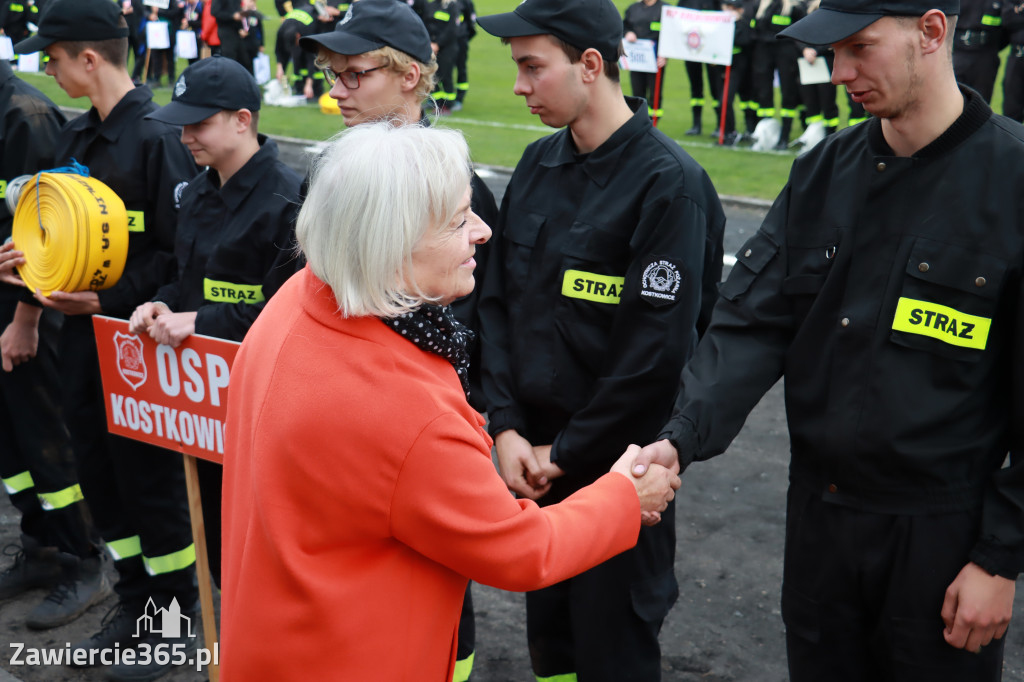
747,253
923,267
881,166
845,322
980,282
833,488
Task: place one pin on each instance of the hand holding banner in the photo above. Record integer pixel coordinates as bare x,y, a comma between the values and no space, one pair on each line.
639,56
175,398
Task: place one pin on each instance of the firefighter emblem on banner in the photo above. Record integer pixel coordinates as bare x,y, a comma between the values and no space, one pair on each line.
131,364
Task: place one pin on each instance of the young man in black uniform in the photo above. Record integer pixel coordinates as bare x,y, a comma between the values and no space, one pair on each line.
59,547
382,65
135,491
235,245
608,240
885,285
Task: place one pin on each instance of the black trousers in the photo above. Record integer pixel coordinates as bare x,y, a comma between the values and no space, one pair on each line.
135,491
461,68
977,68
36,456
1013,84
770,56
862,594
820,99
603,624
646,85
233,46
211,482
445,90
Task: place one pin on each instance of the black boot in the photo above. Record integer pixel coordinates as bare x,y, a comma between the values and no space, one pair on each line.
34,566
83,584
695,130
783,143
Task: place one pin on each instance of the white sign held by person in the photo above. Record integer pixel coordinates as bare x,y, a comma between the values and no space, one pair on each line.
639,56
696,36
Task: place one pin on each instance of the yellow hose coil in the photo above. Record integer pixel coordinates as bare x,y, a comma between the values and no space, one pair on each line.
73,230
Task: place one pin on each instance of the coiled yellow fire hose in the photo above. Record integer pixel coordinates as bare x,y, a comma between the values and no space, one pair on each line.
73,230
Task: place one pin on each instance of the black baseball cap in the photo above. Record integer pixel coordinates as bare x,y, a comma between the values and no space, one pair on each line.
581,23
75,20
208,86
370,25
836,20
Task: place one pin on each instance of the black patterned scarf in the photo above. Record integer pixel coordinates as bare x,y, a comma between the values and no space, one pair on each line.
433,328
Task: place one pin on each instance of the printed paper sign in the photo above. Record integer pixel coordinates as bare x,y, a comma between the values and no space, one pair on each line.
158,35
696,36
28,63
186,45
172,397
159,4
639,56
6,48
813,74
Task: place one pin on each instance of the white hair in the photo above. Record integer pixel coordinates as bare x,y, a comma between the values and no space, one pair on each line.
373,194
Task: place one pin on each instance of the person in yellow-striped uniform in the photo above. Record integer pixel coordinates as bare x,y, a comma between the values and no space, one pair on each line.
234,244
441,18
59,547
771,55
977,41
642,21
607,251
135,491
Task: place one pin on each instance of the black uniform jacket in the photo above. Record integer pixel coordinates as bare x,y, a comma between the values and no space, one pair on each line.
643,20
29,125
888,292
235,245
442,22
148,167
590,302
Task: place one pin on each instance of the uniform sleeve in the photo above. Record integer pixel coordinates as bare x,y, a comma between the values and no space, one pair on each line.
628,24
29,145
495,356
169,167
451,506
232,320
650,338
1000,547
752,321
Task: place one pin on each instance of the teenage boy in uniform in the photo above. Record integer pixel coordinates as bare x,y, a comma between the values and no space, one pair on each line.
135,491
608,238
59,546
235,245
885,285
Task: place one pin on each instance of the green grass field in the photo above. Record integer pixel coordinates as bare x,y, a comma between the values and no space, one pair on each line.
498,126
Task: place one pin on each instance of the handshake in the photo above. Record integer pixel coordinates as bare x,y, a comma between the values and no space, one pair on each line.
528,471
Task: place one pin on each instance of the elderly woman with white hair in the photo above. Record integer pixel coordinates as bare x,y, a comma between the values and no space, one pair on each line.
359,493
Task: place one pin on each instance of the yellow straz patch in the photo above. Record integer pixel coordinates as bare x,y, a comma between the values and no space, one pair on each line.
136,221
940,322
592,287
228,292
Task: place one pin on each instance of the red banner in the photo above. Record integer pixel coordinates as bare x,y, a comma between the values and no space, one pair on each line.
172,397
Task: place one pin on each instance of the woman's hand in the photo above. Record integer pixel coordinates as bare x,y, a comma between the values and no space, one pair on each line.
656,488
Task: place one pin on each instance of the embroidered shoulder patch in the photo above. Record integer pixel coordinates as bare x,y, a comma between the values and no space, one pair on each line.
660,282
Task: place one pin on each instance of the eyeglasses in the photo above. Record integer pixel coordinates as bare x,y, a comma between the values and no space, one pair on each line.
350,79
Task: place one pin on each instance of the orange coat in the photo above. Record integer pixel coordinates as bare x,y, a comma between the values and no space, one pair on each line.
359,494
